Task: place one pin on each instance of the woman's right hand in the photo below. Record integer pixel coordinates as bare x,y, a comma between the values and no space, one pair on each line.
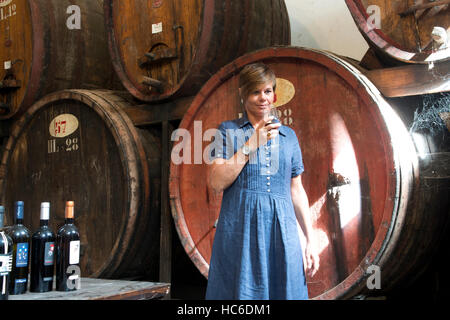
265,130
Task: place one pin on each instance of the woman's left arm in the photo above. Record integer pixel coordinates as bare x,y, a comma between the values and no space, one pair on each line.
302,212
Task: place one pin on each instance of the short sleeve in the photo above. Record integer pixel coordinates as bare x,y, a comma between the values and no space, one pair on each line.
219,146
297,159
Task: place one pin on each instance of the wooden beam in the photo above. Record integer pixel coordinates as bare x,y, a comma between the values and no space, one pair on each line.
411,79
371,61
152,114
165,253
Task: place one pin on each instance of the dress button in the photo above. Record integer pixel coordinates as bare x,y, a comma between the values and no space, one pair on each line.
267,158
268,183
267,164
268,171
268,190
268,178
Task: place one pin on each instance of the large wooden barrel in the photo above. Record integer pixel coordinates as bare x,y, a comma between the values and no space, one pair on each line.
164,49
80,145
374,203
50,45
401,31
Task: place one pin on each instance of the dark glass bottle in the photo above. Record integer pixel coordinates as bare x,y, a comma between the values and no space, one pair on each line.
5,258
21,242
42,254
68,253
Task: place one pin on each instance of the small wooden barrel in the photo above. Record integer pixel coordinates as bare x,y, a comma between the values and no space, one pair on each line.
401,31
369,193
163,49
50,45
80,145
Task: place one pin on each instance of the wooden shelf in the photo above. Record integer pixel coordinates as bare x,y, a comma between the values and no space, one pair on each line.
104,289
411,80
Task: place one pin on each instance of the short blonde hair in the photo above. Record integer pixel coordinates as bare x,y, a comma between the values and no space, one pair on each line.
253,76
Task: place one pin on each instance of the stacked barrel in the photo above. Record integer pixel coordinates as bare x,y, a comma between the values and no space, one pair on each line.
48,46
411,32
85,87
45,48
168,49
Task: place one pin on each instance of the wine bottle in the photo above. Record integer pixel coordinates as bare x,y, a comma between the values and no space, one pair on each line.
5,258
42,254
21,240
68,253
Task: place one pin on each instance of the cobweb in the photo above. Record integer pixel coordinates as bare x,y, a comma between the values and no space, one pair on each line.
430,116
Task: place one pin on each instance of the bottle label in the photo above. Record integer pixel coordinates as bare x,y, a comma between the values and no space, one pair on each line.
22,255
74,254
5,258
5,264
49,253
20,281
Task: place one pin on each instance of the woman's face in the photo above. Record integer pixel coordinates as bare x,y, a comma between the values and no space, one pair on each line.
259,101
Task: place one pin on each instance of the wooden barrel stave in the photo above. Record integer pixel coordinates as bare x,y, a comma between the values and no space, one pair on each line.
384,169
191,40
47,55
107,174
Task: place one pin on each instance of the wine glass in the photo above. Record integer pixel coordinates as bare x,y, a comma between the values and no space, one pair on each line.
272,112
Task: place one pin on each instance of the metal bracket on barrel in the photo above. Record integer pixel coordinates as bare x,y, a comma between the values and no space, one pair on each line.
152,58
153,83
9,84
156,57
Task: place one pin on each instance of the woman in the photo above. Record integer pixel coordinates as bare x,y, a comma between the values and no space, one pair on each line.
256,252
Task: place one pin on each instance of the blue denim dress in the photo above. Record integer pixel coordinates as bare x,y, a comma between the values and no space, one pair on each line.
256,252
